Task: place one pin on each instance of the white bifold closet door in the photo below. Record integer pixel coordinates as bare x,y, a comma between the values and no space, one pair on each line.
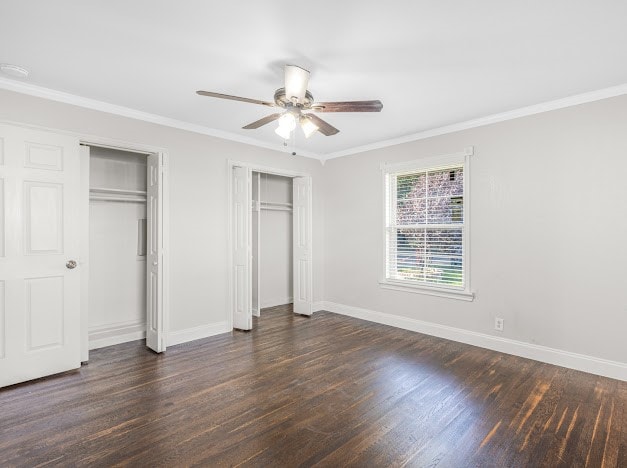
256,244
155,318
302,251
39,249
242,251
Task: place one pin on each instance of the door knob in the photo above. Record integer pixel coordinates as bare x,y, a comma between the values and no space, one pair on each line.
71,264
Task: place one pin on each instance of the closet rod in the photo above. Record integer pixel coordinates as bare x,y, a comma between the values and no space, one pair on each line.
276,208
114,191
275,203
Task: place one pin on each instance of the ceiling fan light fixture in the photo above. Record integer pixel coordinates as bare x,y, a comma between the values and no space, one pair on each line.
287,121
308,127
296,81
283,132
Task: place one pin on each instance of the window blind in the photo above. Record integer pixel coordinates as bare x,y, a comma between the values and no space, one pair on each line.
425,227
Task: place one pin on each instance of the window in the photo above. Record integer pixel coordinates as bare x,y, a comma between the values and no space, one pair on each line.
426,225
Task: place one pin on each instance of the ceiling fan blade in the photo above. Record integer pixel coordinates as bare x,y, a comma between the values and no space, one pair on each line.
261,122
235,98
349,106
296,82
323,127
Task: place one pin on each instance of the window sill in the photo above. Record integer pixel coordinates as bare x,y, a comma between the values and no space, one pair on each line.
461,295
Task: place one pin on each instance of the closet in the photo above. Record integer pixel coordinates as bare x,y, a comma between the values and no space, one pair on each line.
117,247
270,232
272,246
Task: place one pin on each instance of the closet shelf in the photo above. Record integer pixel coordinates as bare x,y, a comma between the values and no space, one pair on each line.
117,195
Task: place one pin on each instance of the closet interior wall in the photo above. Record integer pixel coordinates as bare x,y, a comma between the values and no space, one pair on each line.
272,241
117,247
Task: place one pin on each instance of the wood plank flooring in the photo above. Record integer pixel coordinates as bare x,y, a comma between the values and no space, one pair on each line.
327,390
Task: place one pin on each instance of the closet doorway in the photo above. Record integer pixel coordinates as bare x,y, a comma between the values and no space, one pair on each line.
122,251
270,233
272,259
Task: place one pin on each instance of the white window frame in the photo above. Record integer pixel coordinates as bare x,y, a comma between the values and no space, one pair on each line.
424,164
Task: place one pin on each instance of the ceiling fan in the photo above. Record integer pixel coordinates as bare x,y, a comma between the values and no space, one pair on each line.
298,106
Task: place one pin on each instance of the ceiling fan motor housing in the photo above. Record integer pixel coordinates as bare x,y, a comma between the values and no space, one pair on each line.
281,100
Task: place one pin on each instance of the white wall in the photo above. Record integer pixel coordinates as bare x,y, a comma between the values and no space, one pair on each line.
276,243
548,230
548,225
117,276
116,169
275,189
198,206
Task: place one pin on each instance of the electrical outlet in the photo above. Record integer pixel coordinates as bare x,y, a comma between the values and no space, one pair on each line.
498,323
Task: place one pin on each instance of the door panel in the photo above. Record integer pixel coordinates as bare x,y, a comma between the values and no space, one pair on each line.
44,312
39,234
155,317
242,268
40,156
84,258
302,245
153,303
256,244
2,226
303,289
43,220
241,287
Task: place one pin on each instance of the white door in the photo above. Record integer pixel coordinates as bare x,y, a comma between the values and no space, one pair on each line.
39,249
302,245
256,244
84,257
156,325
242,240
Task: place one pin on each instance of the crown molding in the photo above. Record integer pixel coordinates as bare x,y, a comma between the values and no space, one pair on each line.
67,98
487,120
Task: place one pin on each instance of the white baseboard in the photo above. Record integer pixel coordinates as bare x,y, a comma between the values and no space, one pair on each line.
558,357
276,302
197,333
116,333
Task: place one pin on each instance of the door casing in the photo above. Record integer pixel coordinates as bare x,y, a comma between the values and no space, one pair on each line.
268,170
163,295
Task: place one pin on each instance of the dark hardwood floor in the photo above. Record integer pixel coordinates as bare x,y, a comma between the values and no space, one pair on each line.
327,390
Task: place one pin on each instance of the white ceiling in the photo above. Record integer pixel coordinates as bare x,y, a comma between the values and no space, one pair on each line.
430,63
